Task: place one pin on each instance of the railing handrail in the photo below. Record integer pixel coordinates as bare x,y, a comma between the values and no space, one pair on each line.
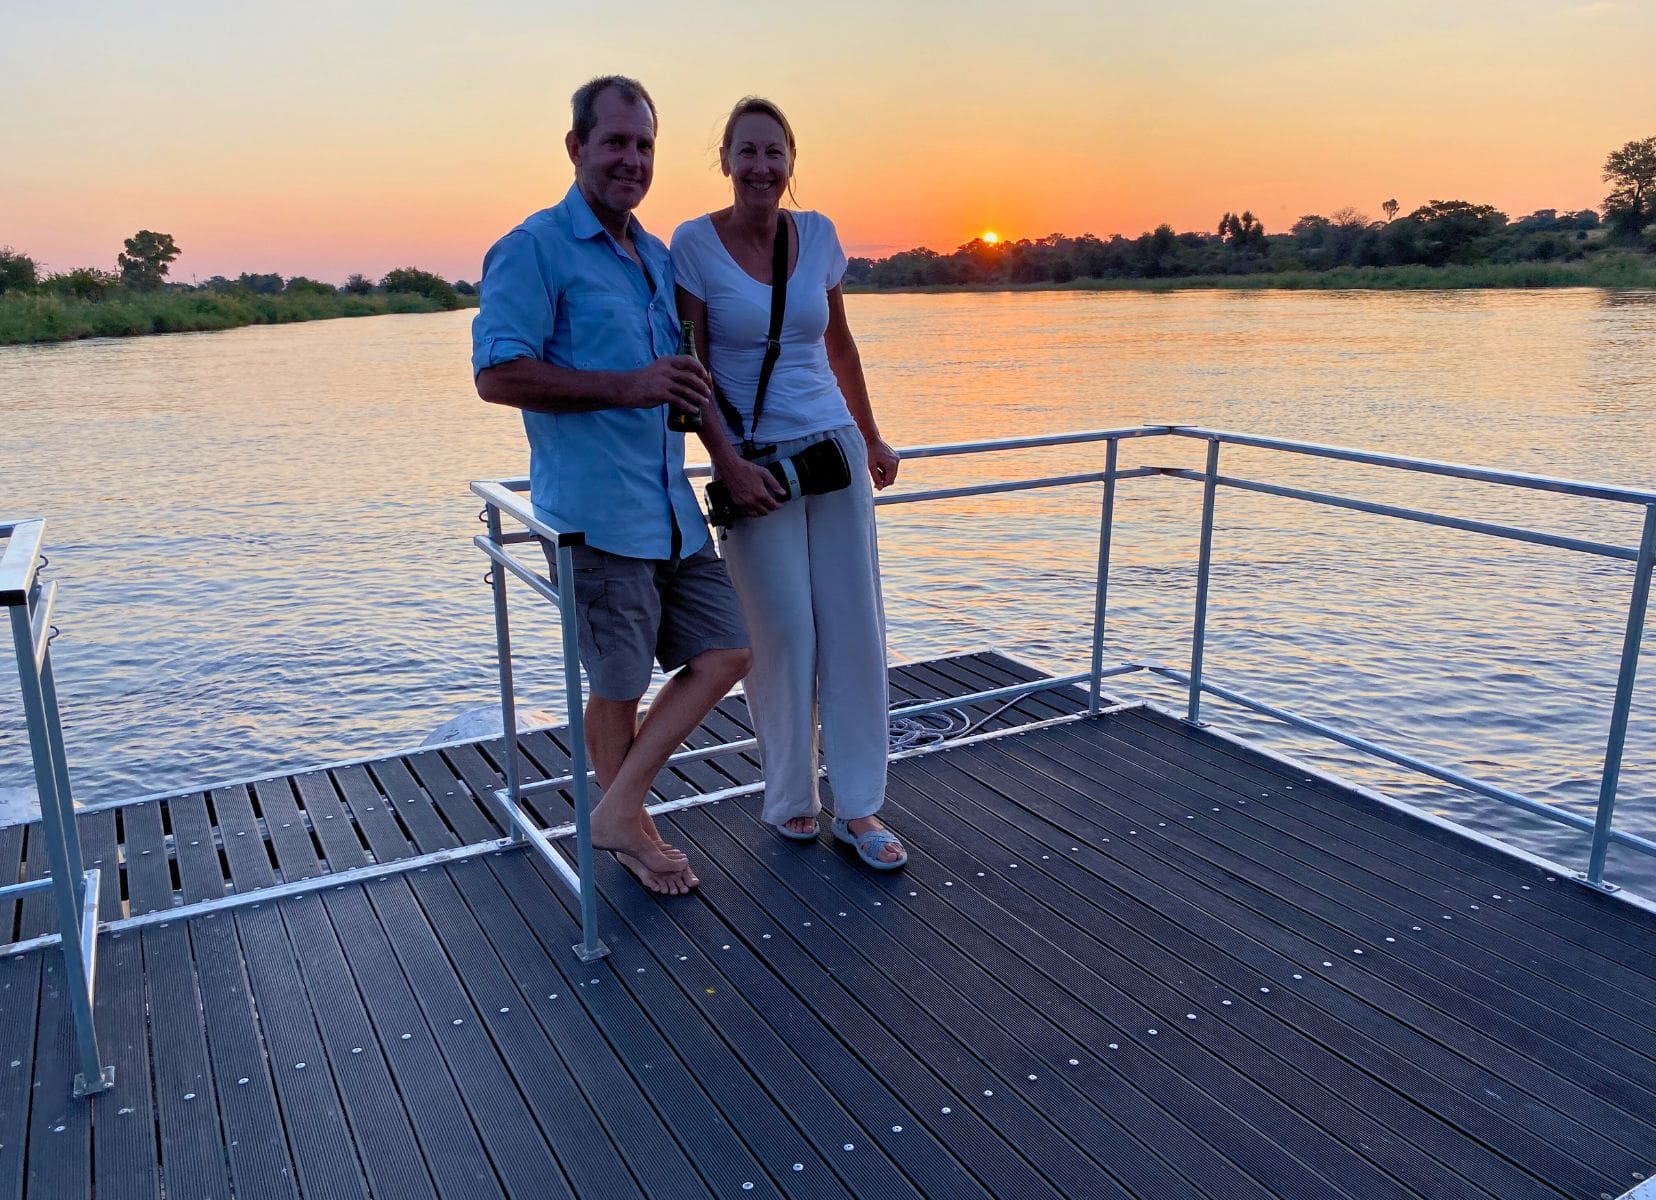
1426,466
503,495
502,498
21,559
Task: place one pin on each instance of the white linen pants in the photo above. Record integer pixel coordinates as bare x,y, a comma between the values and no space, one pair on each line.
808,576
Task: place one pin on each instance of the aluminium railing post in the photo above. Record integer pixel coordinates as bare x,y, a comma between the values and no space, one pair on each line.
1617,740
1101,590
60,767
591,946
1198,636
503,648
68,878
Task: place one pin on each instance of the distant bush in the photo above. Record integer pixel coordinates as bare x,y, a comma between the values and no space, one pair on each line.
359,285
299,285
82,283
261,285
18,272
413,281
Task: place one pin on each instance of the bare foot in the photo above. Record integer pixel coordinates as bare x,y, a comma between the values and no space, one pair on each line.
891,851
662,883
630,837
801,825
687,875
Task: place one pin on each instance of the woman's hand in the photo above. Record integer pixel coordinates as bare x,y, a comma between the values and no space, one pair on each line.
754,491
882,464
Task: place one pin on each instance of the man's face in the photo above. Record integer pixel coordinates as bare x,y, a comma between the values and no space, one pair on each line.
614,165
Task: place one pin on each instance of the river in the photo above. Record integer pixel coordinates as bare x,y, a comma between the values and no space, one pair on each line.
262,537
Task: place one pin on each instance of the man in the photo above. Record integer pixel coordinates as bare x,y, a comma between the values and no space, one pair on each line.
578,329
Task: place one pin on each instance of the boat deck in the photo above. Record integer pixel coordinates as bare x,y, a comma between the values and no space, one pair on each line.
1129,958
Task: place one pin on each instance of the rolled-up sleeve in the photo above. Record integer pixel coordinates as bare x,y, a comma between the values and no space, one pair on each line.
518,304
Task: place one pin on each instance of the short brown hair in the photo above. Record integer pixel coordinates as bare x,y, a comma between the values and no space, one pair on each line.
584,103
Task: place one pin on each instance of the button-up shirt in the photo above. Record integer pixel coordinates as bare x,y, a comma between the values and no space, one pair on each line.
561,289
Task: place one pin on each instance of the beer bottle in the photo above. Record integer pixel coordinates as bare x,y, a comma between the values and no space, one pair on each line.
677,419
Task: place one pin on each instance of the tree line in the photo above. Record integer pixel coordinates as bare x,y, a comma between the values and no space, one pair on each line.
1437,234
142,268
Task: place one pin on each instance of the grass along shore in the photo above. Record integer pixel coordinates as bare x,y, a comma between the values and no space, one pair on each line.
36,317
1632,271
32,317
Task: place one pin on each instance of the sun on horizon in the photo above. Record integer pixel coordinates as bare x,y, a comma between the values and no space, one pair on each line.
990,237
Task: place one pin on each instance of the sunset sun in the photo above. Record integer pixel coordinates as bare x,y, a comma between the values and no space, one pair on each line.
990,237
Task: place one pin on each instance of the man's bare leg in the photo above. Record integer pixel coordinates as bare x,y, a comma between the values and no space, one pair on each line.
628,761
611,726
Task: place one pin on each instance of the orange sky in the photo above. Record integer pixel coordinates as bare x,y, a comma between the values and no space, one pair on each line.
323,139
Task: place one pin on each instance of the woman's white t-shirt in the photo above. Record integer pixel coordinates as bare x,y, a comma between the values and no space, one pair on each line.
803,397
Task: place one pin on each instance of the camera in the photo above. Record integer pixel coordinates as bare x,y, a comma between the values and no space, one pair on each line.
820,467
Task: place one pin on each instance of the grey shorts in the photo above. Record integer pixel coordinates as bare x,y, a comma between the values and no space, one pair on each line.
632,610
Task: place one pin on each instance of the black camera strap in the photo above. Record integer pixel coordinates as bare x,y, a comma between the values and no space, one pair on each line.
773,346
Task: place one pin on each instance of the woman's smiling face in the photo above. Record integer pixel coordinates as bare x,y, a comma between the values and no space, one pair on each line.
757,160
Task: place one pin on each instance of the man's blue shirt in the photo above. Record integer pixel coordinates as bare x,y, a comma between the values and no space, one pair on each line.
559,288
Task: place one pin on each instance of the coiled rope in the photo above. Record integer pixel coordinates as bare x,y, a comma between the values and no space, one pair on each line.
934,728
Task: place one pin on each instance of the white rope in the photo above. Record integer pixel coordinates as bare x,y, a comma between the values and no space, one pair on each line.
934,728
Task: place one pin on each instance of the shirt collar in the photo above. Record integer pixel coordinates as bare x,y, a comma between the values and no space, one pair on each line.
584,224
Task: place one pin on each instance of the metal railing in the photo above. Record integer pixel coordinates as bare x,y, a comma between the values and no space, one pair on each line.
1602,825
75,891
504,499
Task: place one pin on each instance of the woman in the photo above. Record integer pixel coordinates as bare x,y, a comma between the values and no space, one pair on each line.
807,569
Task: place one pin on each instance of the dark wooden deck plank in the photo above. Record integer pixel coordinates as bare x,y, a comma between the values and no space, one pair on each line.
951,1141
319,1136
1111,948
376,819
1206,911
191,1145
652,1120
413,807
468,815
60,1126
20,1004
766,1121
100,849
290,839
619,1035
577,1122
927,978
1437,858
454,1151
38,911
380,1129
770,1055
242,839
252,1133
1479,953
201,872
517,1143
125,1163
148,873
330,823
1526,1056
11,871
478,774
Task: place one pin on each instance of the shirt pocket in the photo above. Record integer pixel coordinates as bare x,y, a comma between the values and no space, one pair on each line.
606,333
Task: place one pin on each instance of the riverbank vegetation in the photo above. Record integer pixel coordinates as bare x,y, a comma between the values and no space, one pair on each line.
137,297
1444,243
